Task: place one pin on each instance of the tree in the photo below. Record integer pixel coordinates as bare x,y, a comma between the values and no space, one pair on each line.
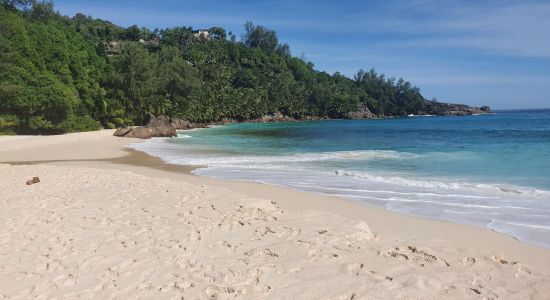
42,10
181,37
133,81
283,49
8,92
176,81
260,37
60,74
133,33
217,33
14,4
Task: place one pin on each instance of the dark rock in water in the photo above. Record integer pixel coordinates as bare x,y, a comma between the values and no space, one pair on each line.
33,181
157,127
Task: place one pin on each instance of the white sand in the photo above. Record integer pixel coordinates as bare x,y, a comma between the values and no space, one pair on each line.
104,230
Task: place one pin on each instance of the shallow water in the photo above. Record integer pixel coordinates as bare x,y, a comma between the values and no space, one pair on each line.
487,170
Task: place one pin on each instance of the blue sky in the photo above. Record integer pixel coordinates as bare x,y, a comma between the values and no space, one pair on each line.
474,52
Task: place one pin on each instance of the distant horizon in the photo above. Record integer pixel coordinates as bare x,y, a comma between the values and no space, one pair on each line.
499,59
519,109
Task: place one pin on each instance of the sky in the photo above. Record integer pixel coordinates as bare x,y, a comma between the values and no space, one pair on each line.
482,52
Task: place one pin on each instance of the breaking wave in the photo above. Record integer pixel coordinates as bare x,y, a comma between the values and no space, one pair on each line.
515,210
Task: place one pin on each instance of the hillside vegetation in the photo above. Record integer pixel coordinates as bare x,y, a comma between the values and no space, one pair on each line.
64,74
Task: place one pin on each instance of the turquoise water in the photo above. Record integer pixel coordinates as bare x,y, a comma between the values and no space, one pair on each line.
487,170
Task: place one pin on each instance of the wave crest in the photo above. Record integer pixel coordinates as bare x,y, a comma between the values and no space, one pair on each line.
167,151
433,184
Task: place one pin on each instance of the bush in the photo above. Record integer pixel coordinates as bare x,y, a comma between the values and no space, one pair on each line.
39,123
109,125
78,124
8,124
129,122
118,122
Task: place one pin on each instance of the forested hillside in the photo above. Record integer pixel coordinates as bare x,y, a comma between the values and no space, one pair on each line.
63,74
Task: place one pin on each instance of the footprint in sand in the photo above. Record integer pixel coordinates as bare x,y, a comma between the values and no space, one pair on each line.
522,271
263,231
256,252
358,269
468,261
412,253
213,291
289,233
500,259
483,291
66,280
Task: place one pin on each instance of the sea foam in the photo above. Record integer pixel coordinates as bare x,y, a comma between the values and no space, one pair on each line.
367,176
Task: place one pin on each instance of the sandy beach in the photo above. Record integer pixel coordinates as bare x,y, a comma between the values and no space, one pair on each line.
105,222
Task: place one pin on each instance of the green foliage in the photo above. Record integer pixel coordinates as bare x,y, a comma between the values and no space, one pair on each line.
181,37
8,124
60,74
78,124
260,37
145,83
13,4
217,33
49,73
42,10
40,124
388,97
95,30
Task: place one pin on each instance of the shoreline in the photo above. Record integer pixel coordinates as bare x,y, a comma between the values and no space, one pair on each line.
378,218
457,245
129,159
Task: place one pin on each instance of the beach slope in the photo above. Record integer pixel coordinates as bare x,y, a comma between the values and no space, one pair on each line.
98,226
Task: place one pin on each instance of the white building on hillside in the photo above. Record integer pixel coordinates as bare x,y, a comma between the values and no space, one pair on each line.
201,33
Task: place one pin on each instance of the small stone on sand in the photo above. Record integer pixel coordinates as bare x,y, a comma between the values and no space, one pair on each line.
33,181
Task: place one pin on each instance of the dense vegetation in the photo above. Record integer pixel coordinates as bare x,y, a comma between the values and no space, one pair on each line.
61,74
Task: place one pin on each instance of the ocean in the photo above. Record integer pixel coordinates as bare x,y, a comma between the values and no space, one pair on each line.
491,171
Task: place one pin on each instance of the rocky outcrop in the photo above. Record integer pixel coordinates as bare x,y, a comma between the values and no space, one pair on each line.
362,112
279,117
120,132
157,127
449,109
182,124
162,126
276,117
313,118
159,122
